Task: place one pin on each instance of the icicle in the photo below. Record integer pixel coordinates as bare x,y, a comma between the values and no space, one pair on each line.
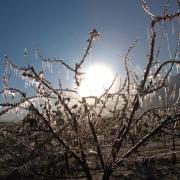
160,99
26,55
51,67
150,77
20,74
150,98
168,46
168,79
11,67
165,92
148,34
177,68
36,54
145,105
37,84
41,76
178,98
48,65
67,74
43,65
173,96
26,85
135,89
156,66
25,52
166,69
15,71
159,76
159,111
16,109
172,28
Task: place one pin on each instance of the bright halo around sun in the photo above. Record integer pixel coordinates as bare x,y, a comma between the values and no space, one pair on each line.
97,79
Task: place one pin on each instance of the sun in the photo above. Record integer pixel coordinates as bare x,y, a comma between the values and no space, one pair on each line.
97,79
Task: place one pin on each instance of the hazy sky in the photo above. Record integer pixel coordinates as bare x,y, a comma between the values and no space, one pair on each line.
59,28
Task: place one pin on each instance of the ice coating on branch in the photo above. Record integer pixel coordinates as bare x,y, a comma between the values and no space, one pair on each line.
25,104
150,77
158,76
133,89
8,92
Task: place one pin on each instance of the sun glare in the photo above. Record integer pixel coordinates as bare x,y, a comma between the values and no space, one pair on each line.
96,80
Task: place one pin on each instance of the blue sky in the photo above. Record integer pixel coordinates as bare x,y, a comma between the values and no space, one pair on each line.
59,28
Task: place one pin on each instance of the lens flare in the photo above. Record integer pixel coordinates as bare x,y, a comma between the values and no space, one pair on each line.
97,79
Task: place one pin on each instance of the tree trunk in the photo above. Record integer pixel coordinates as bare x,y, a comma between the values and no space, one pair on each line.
107,172
87,172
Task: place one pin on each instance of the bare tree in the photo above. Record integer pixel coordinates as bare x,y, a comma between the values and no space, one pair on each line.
66,137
